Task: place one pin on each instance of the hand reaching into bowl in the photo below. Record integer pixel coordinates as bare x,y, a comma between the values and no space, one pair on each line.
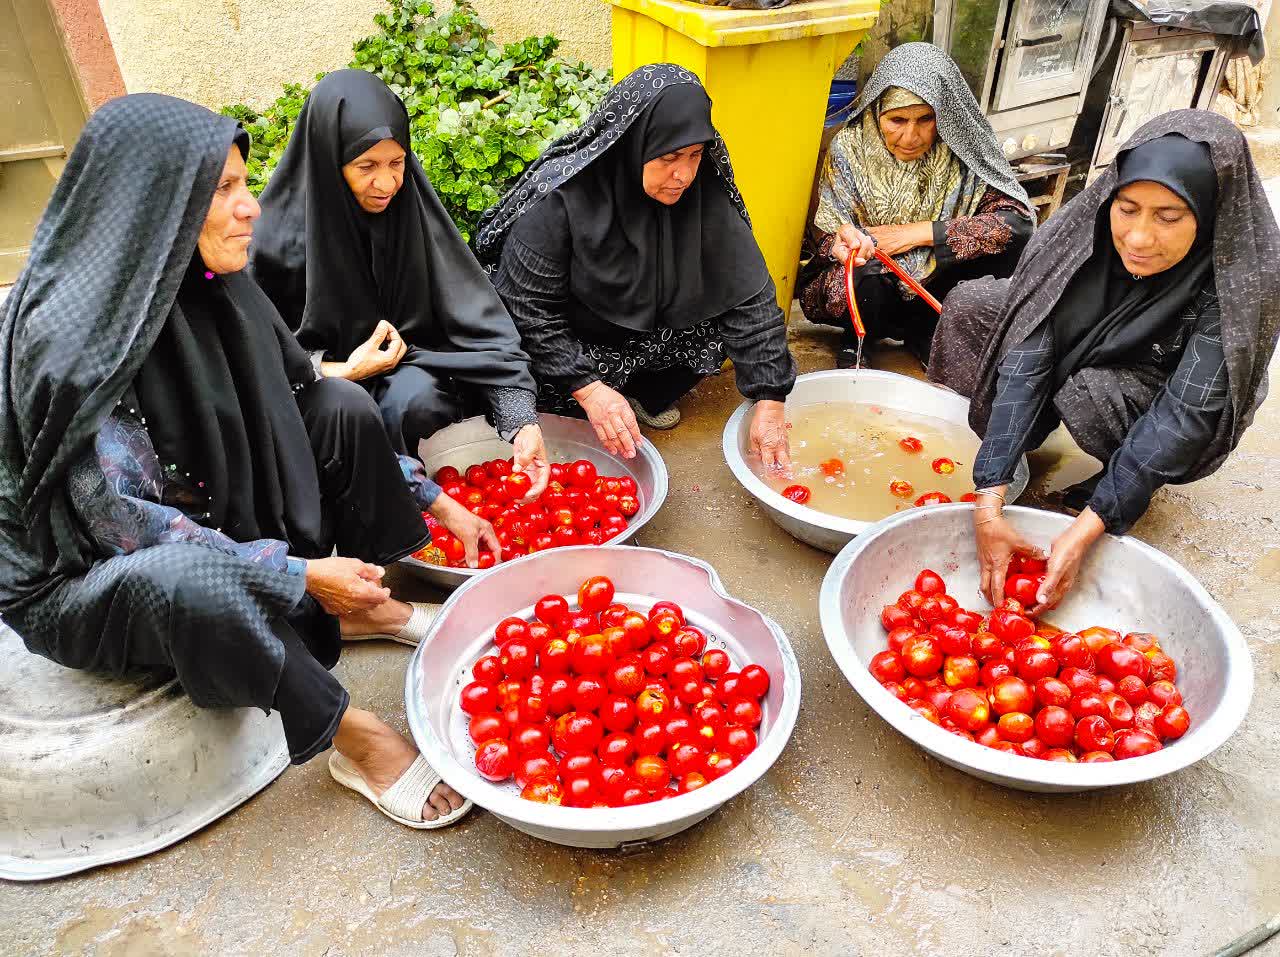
611,415
769,435
997,541
1065,558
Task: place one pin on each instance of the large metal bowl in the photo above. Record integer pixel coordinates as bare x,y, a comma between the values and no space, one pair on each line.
1124,584
464,629
473,440
887,389
97,770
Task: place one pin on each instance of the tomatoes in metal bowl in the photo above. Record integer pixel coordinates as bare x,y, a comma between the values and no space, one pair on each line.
1023,686
595,715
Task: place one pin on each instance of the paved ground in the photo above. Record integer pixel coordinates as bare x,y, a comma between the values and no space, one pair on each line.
855,843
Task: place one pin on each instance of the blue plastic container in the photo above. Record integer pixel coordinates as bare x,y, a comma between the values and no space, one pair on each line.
840,101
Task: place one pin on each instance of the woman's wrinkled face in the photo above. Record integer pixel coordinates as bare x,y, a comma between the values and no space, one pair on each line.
376,175
667,177
228,228
909,131
1152,227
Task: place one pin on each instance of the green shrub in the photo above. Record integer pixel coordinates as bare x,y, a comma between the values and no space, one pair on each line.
479,113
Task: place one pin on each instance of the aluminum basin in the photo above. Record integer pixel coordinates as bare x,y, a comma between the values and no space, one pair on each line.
1124,584
442,665
97,770
473,440
887,389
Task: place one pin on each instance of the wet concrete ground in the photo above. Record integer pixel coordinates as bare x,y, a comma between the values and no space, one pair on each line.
855,843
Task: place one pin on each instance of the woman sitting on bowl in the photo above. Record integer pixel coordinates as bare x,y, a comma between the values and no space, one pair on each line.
1142,316
366,266
919,169
626,258
176,480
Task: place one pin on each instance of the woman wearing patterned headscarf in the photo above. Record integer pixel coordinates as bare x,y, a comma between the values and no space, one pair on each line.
626,258
918,168
1142,317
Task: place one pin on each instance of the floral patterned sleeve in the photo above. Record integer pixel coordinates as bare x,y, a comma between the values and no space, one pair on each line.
117,490
824,295
998,221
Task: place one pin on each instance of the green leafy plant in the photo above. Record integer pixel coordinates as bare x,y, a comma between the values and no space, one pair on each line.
479,113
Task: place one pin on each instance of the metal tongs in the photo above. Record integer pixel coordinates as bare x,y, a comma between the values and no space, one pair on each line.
861,330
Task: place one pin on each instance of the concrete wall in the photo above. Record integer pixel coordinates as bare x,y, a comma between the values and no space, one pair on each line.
226,51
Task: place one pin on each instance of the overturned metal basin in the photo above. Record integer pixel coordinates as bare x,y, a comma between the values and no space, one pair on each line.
97,770
1124,584
887,389
442,665
567,439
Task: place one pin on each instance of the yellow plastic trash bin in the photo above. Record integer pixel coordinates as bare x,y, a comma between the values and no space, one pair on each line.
768,73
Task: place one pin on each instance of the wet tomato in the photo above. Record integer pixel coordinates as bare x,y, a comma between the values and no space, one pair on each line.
1010,695
715,663
591,655
832,468
650,738
1010,626
1172,722
1060,754
495,760
478,697
689,642
1095,757
1164,693
901,488
921,656
1133,689
1162,667
887,666
1053,691
581,474
911,600
931,610
582,791
543,791
667,607
1055,726
651,772
652,704
686,758
577,732
628,505
1134,744
1034,748
933,498
737,742
756,680
969,709
664,625
895,616
994,669
529,768
1099,638
985,645
1088,705
616,749
488,725
1036,663
968,621
1079,680
618,713
517,658
1119,712
487,669
1071,651
898,637
692,781
910,444
953,640
510,629
745,713
1016,727
944,466
960,671
1021,587
1117,661
551,609
1095,733
595,594
988,736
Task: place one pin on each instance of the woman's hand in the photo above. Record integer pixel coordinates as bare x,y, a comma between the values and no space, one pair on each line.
470,529
531,458
1066,556
769,435
852,242
997,542
895,240
345,585
610,414
378,354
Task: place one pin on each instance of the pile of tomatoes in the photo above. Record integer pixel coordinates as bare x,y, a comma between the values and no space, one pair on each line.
1024,687
604,706
899,488
579,507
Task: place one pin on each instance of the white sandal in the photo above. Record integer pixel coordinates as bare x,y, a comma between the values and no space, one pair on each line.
404,800
414,630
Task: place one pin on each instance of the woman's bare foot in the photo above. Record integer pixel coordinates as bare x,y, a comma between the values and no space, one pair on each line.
381,756
386,619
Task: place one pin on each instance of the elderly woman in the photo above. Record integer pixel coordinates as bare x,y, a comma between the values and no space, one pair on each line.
1142,316
918,168
363,262
631,271
175,478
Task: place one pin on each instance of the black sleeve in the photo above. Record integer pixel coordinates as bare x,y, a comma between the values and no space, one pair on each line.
1023,388
534,286
755,337
1169,440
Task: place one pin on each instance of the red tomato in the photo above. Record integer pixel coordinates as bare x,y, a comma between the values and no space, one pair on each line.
1133,689
543,791
664,625
731,687
555,657
719,764
488,725
969,709
1088,705
582,791
985,645
1055,727
652,704
477,476
447,475
582,474
756,679
1053,691
887,666
589,693
650,738
901,488
968,621
488,670
1035,748
517,485
534,767
613,616
627,677
685,758
651,772
944,466
692,781
586,518
618,713
895,616
689,642
1095,733
666,607
1095,757
898,637
1016,727
494,760
478,697
930,583
591,655
1071,651
685,669
577,732
1079,680
517,658
910,444
988,736
744,713
1011,695
1021,587
1163,667
657,659
1164,693
994,669
1117,661
1172,722
736,742
1010,626
595,594
933,498
551,609
1099,638
960,671
510,628
797,493
1026,565
628,505
969,497
1119,712
559,695
1134,744
1060,754
1036,663
626,485
616,750
832,468
921,656
533,709
953,640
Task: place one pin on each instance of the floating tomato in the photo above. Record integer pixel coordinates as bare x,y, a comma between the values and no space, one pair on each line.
910,444
944,466
901,488
832,468
797,493
933,498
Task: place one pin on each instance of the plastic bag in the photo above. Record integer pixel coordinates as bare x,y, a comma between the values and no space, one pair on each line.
1211,16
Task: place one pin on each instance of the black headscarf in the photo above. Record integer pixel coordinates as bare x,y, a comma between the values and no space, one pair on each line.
334,270
638,263
100,292
1245,245
1106,313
